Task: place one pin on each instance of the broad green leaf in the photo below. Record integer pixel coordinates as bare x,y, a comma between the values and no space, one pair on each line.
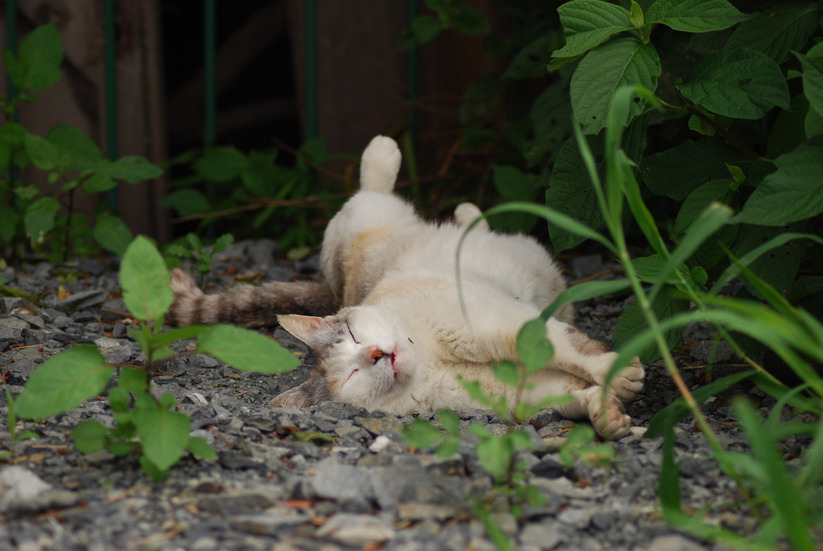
245,349
633,322
512,183
145,281
133,380
678,171
8,223
200,448
89,436
813,123
589,23
105,174
495,455
187,202
778,267
260,178
119,399
694,16
793,192
177,334
777,29
571,192
44,154
506,373
39,218
742,84
164,434
80,149
621,62
531,61
425,27
812,64
533,347
221,164
64,381
112,233
422,434
450,420
699,199
37,65
551,118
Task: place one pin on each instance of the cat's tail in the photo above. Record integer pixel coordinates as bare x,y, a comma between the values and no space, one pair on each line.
379,165
247,305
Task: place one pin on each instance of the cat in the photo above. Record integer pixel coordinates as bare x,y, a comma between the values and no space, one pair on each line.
388,328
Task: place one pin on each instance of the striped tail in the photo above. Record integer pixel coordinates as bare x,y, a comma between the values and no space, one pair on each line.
247,305
379,165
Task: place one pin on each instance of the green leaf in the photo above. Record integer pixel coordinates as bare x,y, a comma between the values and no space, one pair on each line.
531,61
812,64
678,171
133,380
585,291
632,322
742,84
551,117
164,434
699,199
133,169
221,164
119,399
425,27
779,267
533,347
80,149
246,350
506,373
793,192
200,448
112,233
260,178
422,434
450,420
495,455
39,218
694,16
187,202
37,65
8,223
621,62
571,192
589,23
512,183
44,154
89,436
777,29
64,382
145,281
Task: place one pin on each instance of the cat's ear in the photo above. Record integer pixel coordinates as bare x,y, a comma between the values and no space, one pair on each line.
303,327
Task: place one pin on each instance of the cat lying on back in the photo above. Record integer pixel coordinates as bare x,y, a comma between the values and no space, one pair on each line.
395,336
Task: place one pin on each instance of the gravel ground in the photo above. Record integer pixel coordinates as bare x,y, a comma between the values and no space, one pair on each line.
328,477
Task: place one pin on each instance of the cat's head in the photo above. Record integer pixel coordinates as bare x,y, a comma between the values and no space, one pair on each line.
364,355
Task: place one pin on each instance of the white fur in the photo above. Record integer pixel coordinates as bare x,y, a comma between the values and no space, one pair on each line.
397,276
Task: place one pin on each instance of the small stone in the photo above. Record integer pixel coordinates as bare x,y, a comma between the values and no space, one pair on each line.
414,510
379,425
340,410
579,519
543,536
381,443
114,351
550,467
238,502
337,481
22,491
261,423
270,523
356,530
85,299
674,543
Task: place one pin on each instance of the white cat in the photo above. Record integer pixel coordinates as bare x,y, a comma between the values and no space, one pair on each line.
402,339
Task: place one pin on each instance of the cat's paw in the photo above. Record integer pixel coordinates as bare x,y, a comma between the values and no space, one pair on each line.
186,297
629,382
607,414
380,164
466,213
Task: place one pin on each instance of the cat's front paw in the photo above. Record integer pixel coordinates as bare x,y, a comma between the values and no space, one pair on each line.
183,310
607,414
629,382
466,213
380,164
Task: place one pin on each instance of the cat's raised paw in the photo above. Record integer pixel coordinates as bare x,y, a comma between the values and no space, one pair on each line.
607,415
380,164
629,381
466,213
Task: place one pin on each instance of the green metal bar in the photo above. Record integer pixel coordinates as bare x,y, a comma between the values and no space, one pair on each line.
209,62
110,39
11,45
311,67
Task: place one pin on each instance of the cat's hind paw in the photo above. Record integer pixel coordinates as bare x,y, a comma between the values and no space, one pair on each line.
380,164
466,213
629,382
607,415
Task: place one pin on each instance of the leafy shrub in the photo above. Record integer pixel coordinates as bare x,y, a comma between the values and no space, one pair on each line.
71,160
144,422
